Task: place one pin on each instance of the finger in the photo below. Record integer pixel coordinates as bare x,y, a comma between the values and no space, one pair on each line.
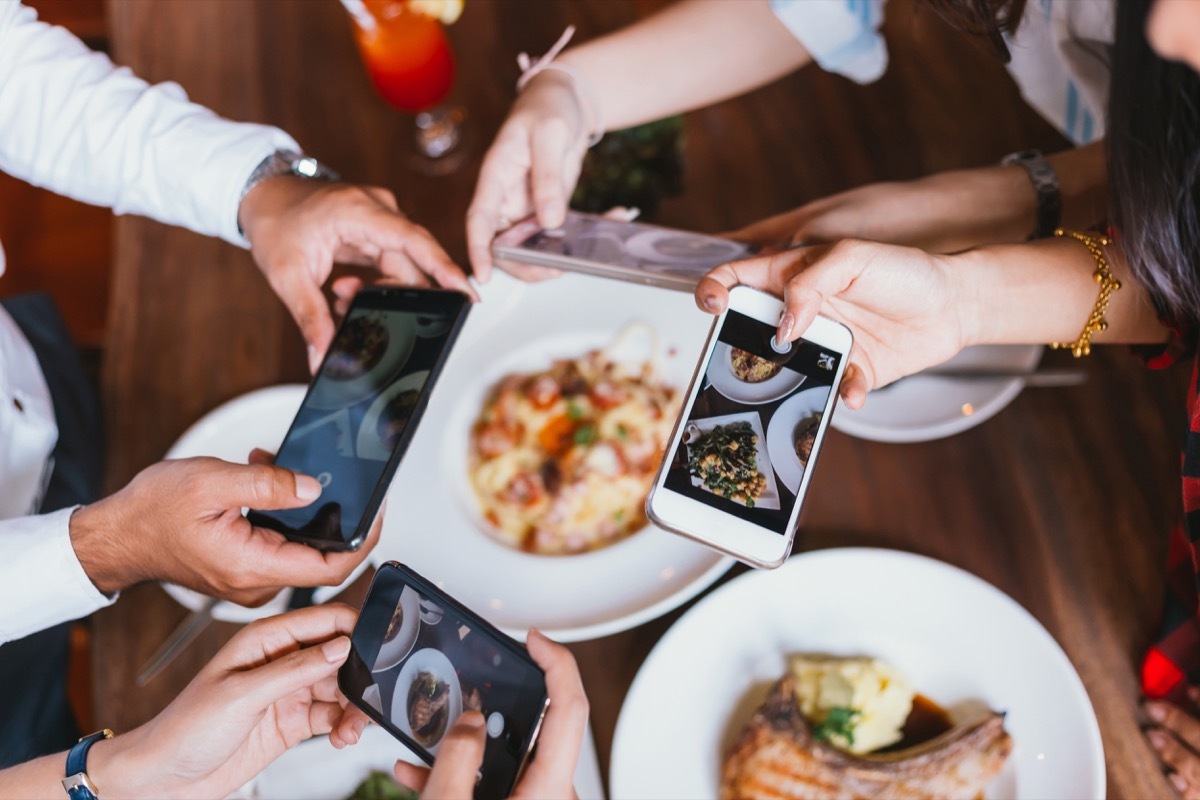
1185,727
483,215
303,298
549,149
322,716
292,672
552,770
1186,790
349,729
344,289
854,387
260,456
398,268
412,776
275,561
386,231
262,640
1175,755
433,261
459,757
263,486
529,272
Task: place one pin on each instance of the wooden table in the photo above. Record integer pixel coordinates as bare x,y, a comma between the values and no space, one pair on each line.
1063,500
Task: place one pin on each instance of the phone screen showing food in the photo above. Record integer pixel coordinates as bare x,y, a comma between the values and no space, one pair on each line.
360,407
749,435
644,247
419,660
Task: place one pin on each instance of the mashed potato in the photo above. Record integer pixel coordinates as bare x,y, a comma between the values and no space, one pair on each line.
859,704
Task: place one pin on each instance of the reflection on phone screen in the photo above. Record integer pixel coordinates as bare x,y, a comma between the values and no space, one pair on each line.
420,665
749,434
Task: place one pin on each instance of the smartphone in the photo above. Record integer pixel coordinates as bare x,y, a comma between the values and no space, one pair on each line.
740,458
362,408
627,251
419,659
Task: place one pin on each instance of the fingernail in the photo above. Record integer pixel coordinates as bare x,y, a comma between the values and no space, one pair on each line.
307,487
786,323
471,719
1178,782
359,727
337,650
313,360
1157,739
711,304
1156,712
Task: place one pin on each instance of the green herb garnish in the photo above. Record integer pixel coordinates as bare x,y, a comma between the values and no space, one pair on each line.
585,434
381,786
622,432
574,411
838,723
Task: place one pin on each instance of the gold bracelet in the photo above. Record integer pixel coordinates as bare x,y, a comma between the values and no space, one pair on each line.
1108,284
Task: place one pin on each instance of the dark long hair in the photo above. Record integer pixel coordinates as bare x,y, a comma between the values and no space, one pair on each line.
988,19
1154,166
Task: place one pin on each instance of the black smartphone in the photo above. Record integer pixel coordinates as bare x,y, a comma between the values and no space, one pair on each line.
362,408
420,659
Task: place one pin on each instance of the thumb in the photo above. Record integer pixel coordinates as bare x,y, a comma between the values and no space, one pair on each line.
263,486
299,669
306,303
458,760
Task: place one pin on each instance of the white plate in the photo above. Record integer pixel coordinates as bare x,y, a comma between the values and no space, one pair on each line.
921,408
435,662
957,638
393,652
781,430
720,375
402,332
369,443
770,496
433,522
230,432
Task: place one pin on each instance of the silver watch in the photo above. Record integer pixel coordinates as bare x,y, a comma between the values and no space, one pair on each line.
286,162
1048,215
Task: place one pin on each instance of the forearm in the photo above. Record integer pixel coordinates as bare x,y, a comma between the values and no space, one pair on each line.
691,54
110,766
1044,291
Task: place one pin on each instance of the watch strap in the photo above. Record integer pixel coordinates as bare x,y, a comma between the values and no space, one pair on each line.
286,162
1048,216
77,783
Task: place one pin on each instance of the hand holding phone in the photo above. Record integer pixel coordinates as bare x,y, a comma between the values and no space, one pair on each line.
742,453
420,660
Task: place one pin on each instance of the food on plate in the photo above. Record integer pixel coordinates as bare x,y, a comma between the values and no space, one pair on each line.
381,786
394,623
858,704
562,460
428,708
358,349
725,460
394,419
784,753
805,437
750,368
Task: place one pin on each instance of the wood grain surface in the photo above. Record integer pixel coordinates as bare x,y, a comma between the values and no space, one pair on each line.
1063,500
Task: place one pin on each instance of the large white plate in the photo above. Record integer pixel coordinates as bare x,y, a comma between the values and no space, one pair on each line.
434,662
433,523
770,496
920,408
230,432
957,638
781,433
720,374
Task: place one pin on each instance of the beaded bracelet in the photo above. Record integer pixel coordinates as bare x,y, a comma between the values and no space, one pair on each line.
1108,284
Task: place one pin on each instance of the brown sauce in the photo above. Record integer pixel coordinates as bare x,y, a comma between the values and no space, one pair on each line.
926,721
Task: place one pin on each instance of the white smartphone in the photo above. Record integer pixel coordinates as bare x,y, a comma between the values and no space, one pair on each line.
740,458
610,248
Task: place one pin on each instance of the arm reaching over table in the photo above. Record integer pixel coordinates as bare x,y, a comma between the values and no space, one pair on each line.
271,687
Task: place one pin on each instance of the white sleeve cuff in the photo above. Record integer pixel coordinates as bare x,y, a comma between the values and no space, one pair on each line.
42,582
842,36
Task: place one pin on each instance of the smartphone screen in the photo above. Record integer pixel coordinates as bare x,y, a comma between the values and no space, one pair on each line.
615,248
748,437
361,408
419,659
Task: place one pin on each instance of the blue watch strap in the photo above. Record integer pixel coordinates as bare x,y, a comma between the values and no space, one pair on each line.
77,783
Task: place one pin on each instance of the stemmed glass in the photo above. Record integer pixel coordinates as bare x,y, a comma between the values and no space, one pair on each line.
407,56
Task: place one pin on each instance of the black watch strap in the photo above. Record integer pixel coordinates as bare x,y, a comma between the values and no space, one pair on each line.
77,783
1045,183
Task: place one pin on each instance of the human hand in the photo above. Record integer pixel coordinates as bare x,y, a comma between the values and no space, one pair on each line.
181,521
1175,737
298,228
902,304
532,166
550,773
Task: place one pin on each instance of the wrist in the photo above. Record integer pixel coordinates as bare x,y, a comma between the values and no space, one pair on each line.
980,206
98,546
551,94
121,767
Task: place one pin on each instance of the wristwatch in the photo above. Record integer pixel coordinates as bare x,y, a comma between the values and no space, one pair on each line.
286,162
1045,183
77,783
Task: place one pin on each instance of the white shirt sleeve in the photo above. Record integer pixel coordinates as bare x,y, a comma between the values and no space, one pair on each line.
72,122
842,36
42,582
